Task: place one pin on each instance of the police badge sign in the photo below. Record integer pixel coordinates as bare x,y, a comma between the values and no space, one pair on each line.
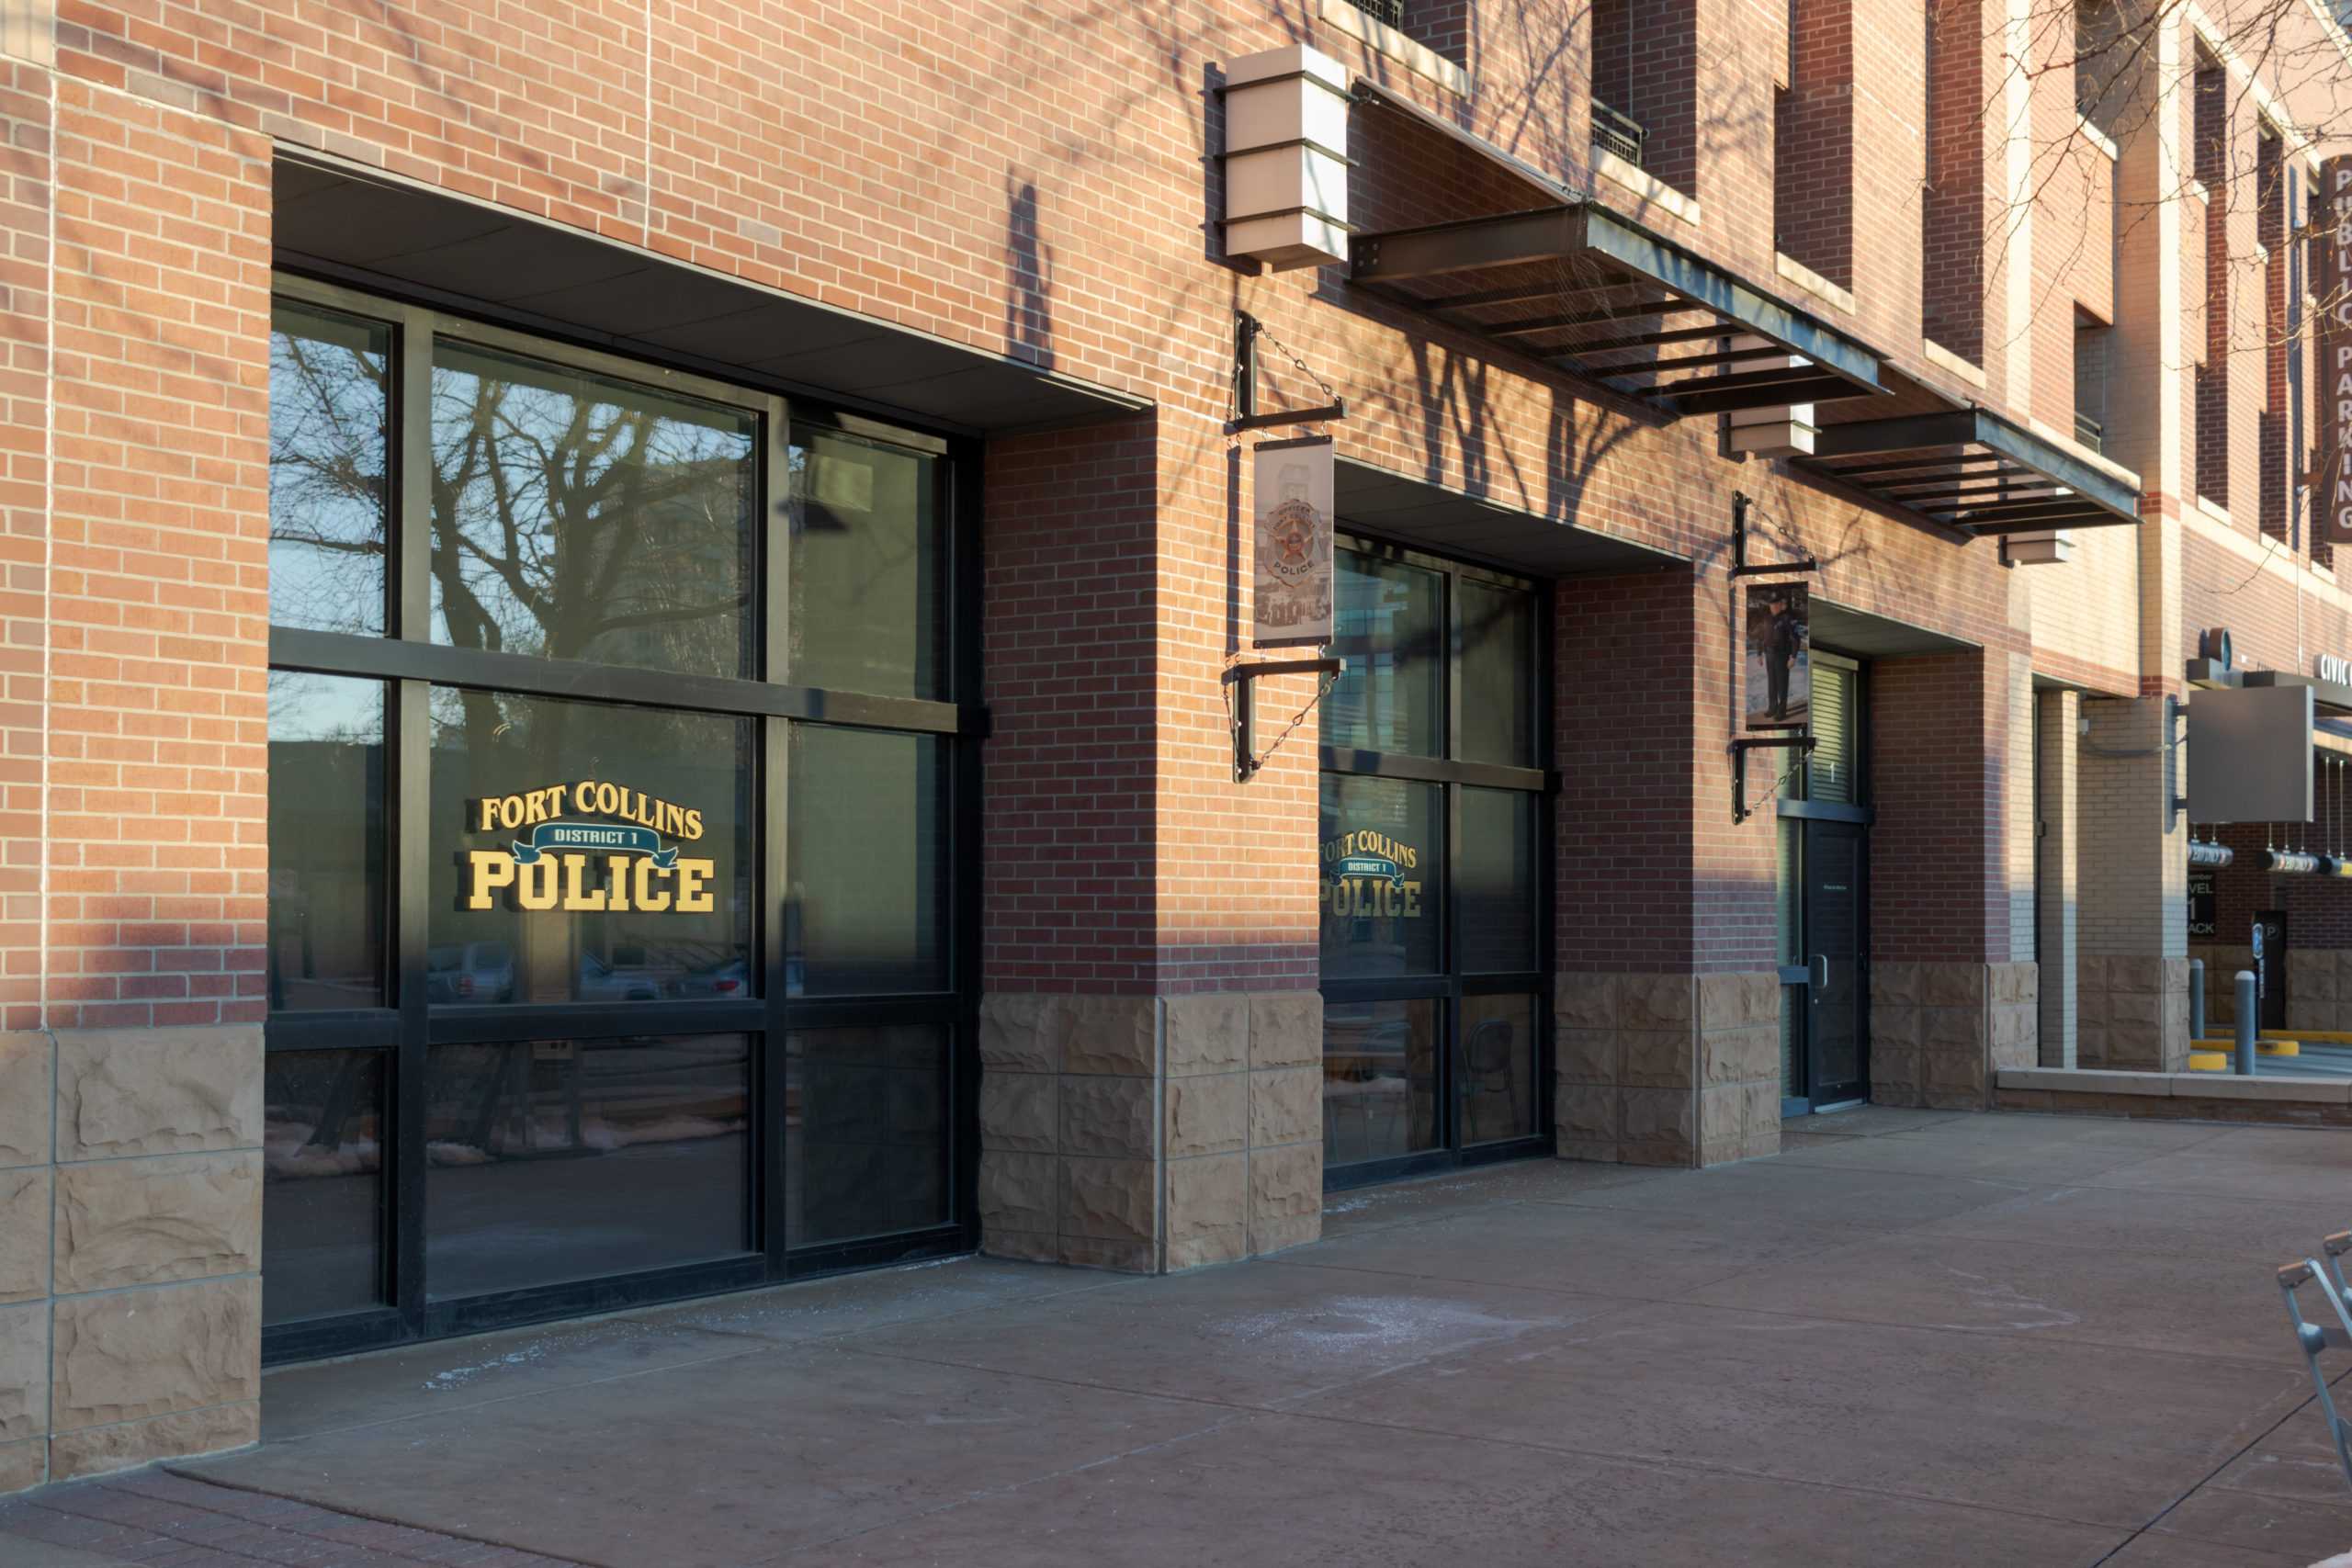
1293,491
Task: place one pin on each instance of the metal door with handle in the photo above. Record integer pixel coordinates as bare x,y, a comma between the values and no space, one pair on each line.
1836,1020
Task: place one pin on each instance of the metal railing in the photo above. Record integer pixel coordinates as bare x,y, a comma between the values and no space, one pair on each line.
1389,11
2090,432
1618,133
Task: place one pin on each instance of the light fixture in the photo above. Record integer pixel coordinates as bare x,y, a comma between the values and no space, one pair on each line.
2047,547
1285,158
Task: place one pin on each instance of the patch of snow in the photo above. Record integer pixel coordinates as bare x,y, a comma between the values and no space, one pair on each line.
1351,1324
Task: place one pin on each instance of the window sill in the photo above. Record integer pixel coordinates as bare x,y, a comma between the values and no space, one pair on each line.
2218,514
2098,139
1812,282
1648,186
1381,38
1951,364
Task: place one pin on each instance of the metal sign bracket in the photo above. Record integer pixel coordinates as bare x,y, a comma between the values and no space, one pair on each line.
1246,330
1739,567
1740,751
1247,759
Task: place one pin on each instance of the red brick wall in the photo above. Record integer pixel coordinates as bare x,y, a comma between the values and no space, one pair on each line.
1938,773
158,590
1030,183
1955,274
2210,159
1068,598
1813,142
25,139
1645,64
1624,657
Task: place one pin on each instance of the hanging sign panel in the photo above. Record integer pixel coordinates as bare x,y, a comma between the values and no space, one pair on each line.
1778,640
2332,268
1292,487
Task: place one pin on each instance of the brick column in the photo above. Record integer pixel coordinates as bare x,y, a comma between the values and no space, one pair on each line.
134,867
1667,1007
1953,993
2057,870
1151,1038
2133,919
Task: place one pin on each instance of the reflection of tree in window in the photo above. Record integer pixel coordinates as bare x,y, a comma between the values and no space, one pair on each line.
327,482
1388,626
576,517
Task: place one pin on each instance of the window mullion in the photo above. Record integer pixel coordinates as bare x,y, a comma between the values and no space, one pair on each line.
411,908
411,608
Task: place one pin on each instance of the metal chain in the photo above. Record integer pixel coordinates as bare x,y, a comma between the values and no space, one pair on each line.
1322,690
1330,394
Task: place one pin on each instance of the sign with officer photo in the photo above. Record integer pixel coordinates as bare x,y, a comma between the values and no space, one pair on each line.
1778,641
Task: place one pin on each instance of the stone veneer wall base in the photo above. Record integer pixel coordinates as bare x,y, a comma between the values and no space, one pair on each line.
1939,1032
2133,1012
130,1209
1151,1134
1667,1069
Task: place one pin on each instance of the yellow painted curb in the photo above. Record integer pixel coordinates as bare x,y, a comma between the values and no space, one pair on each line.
2208,1062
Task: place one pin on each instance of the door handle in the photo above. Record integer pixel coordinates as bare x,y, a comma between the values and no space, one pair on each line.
1821,963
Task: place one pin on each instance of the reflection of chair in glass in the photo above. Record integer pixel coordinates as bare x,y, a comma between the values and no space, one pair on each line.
1488,1066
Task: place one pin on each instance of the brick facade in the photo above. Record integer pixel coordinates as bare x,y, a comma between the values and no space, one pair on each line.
1038,187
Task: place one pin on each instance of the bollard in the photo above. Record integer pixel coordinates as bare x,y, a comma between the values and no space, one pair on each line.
2196,1000
2249,1017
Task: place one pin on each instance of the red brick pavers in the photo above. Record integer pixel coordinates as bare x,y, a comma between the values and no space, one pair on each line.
161,1520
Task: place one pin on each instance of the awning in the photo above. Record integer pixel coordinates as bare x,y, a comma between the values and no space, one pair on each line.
1976,472
389,235
1578,287
1437,517
1865,636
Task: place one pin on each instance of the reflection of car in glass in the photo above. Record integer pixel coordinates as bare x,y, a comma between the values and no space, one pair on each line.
727,980
602,980
470,971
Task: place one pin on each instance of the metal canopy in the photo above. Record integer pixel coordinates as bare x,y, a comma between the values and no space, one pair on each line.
1580,287
1974,470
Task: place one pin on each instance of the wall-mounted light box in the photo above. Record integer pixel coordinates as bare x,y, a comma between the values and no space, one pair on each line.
1285,158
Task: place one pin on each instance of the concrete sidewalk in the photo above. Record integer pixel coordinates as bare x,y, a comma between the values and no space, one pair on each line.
1912,1339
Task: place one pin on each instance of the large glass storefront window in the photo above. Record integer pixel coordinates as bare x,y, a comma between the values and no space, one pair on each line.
615,751
1435,951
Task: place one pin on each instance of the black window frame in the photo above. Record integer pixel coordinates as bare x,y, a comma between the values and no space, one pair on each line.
1448,985
410,663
